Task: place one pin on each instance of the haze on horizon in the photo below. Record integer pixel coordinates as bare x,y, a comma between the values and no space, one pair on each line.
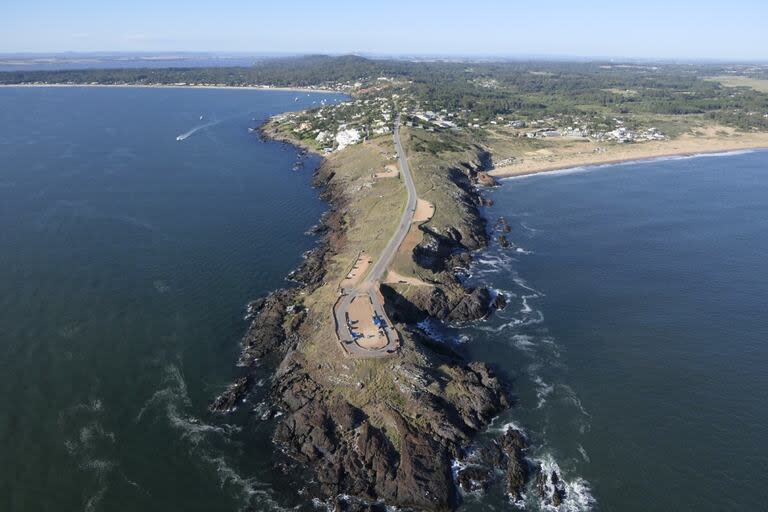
684,29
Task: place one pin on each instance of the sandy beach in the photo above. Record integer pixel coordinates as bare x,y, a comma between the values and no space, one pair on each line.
591,153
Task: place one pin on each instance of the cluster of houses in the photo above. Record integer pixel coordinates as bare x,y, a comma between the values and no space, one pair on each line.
621,134
335,127
443,119
578,128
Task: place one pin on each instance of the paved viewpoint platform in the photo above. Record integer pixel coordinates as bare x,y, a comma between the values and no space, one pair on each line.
362,326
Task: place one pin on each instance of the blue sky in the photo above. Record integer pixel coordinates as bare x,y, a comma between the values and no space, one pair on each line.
638,28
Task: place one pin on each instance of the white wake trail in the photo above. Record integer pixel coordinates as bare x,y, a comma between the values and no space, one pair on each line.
196,129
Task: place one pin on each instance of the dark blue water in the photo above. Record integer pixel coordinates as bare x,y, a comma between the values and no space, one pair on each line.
638,331
126,258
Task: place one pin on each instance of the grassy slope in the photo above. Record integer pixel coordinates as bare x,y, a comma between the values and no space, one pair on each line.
370,216
760,85
431,156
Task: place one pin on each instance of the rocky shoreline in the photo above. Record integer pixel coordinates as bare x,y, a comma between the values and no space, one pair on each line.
441,400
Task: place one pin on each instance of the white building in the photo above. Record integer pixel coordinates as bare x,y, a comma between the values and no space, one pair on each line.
347,137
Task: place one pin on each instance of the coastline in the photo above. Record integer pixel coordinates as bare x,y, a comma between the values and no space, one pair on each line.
267,131
758,142
179,86
411,418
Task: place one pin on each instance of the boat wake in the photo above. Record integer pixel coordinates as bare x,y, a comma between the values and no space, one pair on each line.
186,135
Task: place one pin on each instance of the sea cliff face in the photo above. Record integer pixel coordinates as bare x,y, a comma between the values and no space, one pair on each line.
385,431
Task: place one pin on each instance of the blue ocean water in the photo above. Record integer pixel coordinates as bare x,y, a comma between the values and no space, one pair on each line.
126,260
637,331
635,335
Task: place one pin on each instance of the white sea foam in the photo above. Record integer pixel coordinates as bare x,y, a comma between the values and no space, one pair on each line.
583,453
511,425
578,495
256,494
173,389
523,342
526,307
431,329
528,228
194,430
522,283
173,400
87,444
573,398
93,502
173,396
535,319
543,391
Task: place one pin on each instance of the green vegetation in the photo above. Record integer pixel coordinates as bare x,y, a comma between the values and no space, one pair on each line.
479,92
757,84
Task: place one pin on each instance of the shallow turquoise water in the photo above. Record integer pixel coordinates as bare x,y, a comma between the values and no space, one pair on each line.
637,333
126,259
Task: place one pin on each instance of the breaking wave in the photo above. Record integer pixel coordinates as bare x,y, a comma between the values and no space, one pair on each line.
521,326
578,494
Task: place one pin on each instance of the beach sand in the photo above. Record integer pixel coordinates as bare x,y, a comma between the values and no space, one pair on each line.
424,211
553,158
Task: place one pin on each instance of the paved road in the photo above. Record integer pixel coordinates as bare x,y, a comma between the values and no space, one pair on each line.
370,285
385,258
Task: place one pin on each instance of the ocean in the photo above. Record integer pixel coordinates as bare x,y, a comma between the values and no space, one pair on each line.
636,334
126,261
634,339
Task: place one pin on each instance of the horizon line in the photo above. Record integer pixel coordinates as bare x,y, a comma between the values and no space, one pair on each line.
388,55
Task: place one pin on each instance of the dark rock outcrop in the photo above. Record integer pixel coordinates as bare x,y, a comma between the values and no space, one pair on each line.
504,455
551,488
499,302
393,462
486,180
235,393
453,305
512,445
266,334
502,225
473,478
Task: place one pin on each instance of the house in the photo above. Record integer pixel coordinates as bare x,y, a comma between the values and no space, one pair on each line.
347,137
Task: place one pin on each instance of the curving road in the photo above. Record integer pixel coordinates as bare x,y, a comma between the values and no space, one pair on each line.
385,258
370,285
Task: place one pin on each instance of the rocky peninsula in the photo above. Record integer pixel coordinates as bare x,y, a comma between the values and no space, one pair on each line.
386,431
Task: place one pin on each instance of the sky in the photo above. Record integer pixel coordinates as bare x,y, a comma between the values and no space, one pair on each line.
670,29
